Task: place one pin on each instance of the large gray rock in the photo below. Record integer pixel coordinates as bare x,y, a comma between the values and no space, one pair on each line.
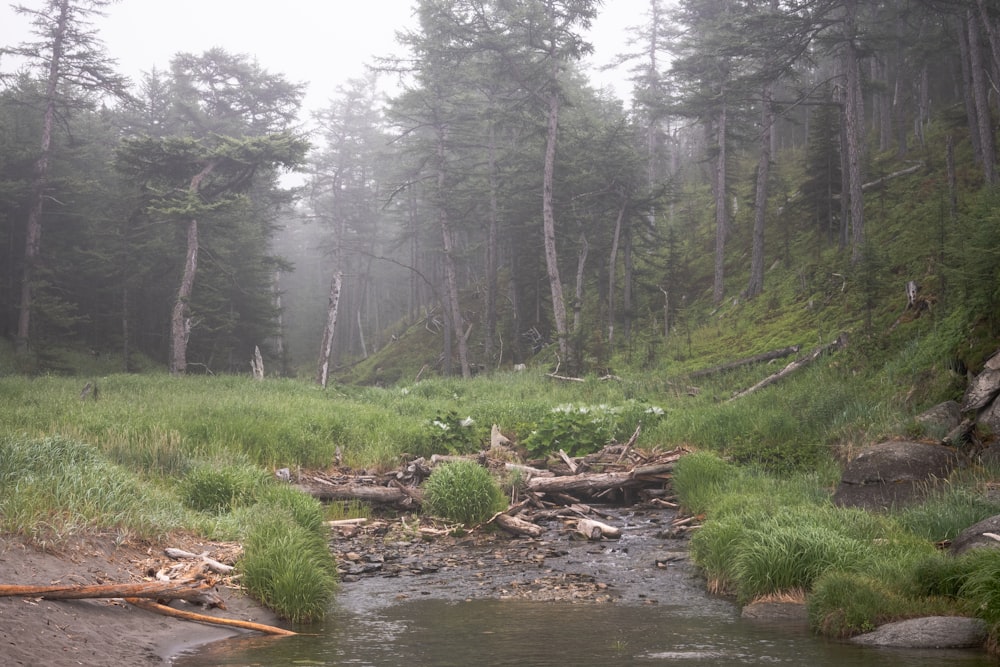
928,632
943,417
985,387
977,535
894,473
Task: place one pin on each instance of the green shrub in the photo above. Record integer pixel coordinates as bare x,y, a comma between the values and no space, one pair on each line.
699,479
780,556
288,568
216,489
463,491
980,589
844,604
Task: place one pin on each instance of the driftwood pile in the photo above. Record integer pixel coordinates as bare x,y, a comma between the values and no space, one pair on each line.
182,575
560,488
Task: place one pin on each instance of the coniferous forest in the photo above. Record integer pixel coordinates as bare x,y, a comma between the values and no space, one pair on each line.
778,155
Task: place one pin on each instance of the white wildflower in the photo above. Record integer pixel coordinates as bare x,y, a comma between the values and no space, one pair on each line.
440,424
467,422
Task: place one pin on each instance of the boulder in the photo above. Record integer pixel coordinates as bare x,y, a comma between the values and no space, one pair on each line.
942,418
985,387
990,416
986,533
928,632
894,473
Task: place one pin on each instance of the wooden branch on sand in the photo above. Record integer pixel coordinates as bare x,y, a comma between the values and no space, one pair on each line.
152,605
839,343
192,591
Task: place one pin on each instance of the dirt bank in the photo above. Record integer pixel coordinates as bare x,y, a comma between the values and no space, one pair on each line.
97,632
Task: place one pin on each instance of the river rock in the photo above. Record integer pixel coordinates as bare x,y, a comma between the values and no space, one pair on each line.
977,535
893,473
928,632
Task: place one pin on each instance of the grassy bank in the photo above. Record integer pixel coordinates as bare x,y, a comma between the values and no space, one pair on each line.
154,454
770,536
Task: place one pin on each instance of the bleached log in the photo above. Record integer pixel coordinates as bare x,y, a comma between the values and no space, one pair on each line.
517,526
568,461
528,470
210,563
595,530
196,591
387,495
347,522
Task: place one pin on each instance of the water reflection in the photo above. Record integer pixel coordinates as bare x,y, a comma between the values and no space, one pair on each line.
492,632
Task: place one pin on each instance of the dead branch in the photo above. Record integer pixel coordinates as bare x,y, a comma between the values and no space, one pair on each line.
755,359
839,343
153,606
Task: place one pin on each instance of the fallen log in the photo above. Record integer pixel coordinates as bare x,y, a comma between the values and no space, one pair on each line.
798,364
153,606
596,482
210,563
595,530
755,359
192,591
517,526
386,495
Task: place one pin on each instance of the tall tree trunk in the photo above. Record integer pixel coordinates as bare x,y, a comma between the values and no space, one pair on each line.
180,320
980,96
756,286
451,279
492,253
721,221
962,29
33,231
853,122
326,346
549,223
612,271
581,263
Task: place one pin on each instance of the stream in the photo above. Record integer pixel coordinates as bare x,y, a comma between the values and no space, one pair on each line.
495,600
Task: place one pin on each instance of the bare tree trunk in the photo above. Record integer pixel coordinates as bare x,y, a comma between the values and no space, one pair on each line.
581,262
721,222
980,96
612,269
967,96
549,223
450,276
853,121
756,286
33,231
333,303
180,319
492,261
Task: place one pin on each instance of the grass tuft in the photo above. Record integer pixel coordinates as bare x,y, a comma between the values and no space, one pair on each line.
463,491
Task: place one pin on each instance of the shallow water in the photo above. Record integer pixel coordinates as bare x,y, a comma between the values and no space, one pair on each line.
452,616
498,632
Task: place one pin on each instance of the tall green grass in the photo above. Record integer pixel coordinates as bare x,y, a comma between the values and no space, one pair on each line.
52,488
